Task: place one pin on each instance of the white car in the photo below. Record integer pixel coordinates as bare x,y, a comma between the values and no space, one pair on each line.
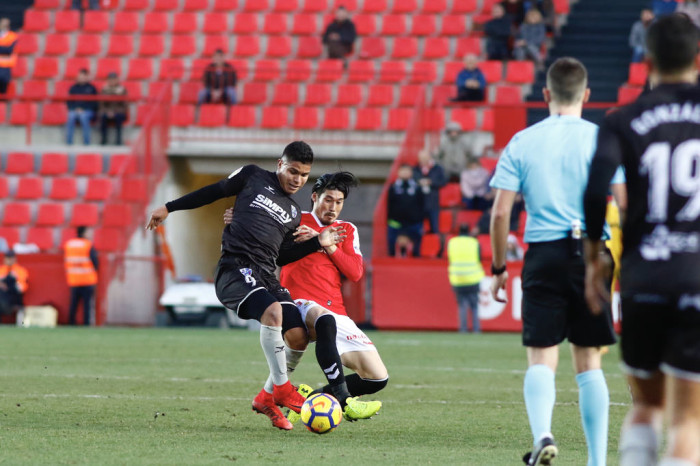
196,303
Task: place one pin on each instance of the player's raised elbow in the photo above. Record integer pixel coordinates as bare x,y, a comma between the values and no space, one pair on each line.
356,274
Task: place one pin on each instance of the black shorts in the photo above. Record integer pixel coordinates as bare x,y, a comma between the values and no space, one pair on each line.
248,290
661,332
554,307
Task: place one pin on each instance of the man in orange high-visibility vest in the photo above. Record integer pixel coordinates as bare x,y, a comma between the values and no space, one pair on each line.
81,264
13,282
8,57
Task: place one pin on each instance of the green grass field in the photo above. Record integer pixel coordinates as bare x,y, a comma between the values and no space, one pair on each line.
182,396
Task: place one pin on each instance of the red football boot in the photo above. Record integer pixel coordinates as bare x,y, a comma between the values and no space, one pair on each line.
287,395
264,404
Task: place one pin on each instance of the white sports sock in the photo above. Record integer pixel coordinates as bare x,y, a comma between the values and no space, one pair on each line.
675,462
273,347
639,445
293,358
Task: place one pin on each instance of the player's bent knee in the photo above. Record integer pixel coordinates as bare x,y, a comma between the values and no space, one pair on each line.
272,315
296,338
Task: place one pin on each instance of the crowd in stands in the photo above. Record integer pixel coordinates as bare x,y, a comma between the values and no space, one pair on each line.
657,9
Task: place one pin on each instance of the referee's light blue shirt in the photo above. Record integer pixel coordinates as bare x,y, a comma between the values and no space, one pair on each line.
549,163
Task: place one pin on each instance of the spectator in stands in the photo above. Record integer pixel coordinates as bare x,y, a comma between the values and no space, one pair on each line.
549,15
431,178
220,81
498,31
113,111
81,110
514,251
8,57
81,265
474,184
690,8
531,37
471,83
516,10
465,273
4,247
79,4
405,211
454,151
638,35
14,282
663,7
340,35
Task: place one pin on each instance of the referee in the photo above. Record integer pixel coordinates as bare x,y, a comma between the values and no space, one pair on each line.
549,163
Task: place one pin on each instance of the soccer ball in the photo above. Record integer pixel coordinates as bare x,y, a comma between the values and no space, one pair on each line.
321,413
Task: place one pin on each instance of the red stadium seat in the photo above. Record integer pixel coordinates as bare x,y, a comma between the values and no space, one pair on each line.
375,6
349,95
11,235
28,44
245,23
305,118
166,5
467,45
125,22
393,25
436,47
361,71
485,247
182,46
95,21
84,215
196,5
409,94
30,187
368,119
87,164
304,25
450,195
315,6
433,7
108,65
254,5
225,5
285,6
36,21
336,118
520,72
466,117
23,113
53,163
433,119
122,164
20,69
275,23
254,93
285,94
42,237
468,217
73,66
446,221
3,114
463,6
184,23
116,215
109,239
247,46
424,72
87,45
34,90
215,23
381,95
487,122
561,7
275,117
365,25
278,46
63,189
50,215
67,21
318,94
453,25
405,47
212,115
182,116
98,189
492,69
57,44
4,190
16,214
309,47
170,68
242,116
155,22
489,163
214,43
399,119
136,5
151,45
140,68
508,95
431,246
197,67
392,71
626,95
638,74
19,163
189,92
45,68
47,4
329,70
405,6
423,25
372,47
298,70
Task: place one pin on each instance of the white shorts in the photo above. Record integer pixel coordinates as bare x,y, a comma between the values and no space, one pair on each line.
349,338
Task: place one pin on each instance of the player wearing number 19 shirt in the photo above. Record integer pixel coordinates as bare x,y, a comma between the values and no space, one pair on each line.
657,139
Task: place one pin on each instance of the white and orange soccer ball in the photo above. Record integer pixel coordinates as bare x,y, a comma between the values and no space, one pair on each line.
321,413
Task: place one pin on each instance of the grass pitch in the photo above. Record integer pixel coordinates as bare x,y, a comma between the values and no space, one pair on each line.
182,396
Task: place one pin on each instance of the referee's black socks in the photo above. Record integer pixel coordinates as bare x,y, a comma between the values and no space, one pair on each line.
328,357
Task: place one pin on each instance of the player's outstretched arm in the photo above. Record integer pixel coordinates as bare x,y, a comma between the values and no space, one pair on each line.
292,251
157,217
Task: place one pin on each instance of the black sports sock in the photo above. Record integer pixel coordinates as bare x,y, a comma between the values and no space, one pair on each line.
357,386
328,357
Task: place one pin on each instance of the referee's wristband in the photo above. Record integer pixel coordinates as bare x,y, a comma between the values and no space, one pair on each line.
497,271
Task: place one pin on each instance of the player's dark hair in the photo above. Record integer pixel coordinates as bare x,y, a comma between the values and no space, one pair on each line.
81,231
338,181
299,151
567,80
672,43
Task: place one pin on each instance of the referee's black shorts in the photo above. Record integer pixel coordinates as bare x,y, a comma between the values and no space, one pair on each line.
247,289
554,307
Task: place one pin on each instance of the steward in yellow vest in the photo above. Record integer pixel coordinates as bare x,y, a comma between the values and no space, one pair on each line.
465,274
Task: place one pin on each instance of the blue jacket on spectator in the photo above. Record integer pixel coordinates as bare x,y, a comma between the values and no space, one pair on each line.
466,75
83,89
662,8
